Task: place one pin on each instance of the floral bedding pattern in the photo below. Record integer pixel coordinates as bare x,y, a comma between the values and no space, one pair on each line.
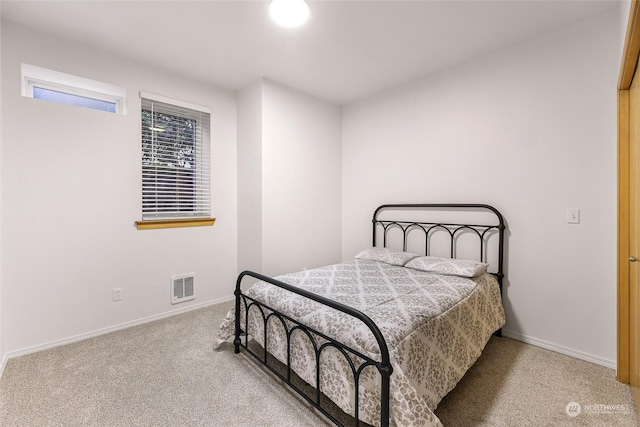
435,327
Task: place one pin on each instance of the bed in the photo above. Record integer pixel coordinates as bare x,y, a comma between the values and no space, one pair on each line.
385,336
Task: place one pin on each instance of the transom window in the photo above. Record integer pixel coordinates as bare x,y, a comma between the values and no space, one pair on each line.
175,159
63,88
71,99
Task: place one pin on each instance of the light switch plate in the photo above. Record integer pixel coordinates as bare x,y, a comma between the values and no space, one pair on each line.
573,216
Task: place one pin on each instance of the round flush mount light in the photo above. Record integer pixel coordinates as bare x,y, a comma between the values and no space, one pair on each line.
289,13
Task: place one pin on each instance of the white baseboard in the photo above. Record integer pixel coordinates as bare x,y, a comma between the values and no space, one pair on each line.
3,363
98,332
509,334
560,349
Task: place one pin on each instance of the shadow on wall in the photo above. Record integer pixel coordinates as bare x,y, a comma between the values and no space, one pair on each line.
512,319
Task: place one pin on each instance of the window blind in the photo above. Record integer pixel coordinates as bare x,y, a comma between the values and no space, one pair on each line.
176,166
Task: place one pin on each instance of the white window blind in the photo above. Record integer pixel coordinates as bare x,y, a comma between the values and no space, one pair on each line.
175,159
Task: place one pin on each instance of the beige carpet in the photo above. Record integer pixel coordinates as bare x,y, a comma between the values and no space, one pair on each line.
516,384
166,374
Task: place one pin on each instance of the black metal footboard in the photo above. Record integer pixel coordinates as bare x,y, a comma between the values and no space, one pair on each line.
268,313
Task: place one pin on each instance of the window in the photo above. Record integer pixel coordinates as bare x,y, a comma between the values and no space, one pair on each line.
77,100
175,160
49,85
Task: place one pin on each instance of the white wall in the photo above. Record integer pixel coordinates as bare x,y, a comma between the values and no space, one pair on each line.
71,194
3,353
301,180
530,130
624,9
249,121
289,179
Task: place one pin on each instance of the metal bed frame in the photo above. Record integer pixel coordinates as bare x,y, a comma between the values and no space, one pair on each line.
384,364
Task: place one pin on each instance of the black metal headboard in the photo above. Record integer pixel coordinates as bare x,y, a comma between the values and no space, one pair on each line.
453,230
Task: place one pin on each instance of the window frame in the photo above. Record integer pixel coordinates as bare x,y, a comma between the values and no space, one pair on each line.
173,222
34,76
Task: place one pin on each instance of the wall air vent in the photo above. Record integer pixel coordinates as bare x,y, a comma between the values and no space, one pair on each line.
182,287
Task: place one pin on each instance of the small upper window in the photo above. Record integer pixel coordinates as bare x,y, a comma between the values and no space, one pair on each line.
71,99
42,83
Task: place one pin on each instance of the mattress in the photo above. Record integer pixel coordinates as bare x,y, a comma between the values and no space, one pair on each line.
435,327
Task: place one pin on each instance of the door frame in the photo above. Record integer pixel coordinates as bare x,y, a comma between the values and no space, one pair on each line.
627,69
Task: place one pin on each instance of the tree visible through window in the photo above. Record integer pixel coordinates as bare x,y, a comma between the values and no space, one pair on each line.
175,164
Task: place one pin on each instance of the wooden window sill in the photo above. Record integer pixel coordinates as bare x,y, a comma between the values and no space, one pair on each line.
174,223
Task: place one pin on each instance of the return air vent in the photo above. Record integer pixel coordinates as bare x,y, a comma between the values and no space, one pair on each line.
182,288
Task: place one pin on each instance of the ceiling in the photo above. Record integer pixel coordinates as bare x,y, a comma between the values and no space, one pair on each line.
346,51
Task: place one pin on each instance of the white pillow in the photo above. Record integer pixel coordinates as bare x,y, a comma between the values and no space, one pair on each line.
448,266
386,255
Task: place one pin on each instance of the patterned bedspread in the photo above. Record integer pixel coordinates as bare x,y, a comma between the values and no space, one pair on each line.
435,327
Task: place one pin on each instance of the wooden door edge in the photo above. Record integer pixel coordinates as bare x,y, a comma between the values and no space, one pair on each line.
628,67
622,371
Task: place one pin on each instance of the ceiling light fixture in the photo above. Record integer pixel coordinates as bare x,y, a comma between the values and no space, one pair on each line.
289,13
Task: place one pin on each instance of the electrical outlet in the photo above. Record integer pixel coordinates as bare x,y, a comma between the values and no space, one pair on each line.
573,216
117,294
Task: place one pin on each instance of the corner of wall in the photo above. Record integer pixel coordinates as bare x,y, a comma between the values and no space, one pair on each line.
249,176
301,180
